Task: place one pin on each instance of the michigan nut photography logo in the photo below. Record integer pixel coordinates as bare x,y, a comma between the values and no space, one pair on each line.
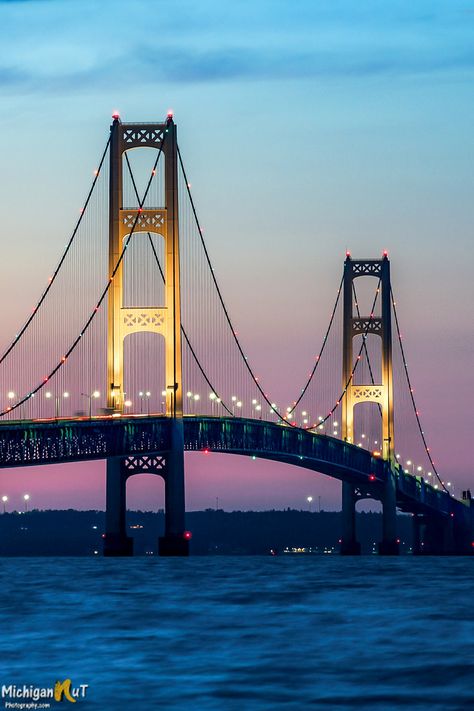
28,696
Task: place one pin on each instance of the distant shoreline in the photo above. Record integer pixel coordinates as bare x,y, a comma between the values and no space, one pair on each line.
215,532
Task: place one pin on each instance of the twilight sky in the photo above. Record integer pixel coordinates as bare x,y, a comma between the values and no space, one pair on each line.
307,127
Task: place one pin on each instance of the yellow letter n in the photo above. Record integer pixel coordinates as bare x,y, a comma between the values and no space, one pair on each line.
63,689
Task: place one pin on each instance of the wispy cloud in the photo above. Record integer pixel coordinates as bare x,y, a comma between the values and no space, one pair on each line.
56,47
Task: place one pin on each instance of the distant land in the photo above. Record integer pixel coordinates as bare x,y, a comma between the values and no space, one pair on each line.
214,532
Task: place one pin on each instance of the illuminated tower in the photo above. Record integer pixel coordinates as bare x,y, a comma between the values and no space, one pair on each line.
380,393
163,320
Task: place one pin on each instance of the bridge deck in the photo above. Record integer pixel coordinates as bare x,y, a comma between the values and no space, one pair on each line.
29,443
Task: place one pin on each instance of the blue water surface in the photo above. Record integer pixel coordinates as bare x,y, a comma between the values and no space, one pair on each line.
294,632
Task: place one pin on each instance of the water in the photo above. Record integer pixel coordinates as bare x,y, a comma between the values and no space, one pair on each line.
243,633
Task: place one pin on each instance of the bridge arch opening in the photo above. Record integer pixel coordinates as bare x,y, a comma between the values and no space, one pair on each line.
368,427
368,523
143,284
145,495
238,482
141,161
144,374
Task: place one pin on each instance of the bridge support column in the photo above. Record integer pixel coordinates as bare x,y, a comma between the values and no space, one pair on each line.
349,543
116,541
173,543
389,544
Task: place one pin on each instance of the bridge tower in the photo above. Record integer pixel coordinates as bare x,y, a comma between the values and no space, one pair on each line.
380,393
163,320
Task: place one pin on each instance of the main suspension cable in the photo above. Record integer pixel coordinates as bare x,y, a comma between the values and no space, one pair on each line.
412,397
132,177
354,368
105,290
52,279
226,313
365,345
323,346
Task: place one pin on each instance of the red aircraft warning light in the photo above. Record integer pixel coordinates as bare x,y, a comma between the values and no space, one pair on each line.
187,535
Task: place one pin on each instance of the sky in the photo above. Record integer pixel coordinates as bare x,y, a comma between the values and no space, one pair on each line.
307,128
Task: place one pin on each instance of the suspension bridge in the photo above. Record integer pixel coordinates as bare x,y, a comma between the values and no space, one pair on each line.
130,355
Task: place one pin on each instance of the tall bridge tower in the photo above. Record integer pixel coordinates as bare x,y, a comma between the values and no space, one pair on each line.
380,393
163,320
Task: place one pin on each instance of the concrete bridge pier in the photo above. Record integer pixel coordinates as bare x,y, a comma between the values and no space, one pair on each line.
349,543
116,541
174,542
389,544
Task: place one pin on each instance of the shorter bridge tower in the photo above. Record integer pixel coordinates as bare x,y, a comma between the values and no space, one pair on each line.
380,393
163,320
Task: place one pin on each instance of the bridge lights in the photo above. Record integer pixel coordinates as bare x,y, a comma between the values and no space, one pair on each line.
142,395
116,115
258,408
4,499
212,398
57,399
11,395
94,395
